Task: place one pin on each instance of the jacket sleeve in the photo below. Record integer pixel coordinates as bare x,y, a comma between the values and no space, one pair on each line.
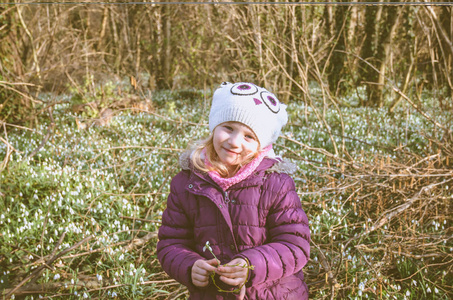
288,249
174,249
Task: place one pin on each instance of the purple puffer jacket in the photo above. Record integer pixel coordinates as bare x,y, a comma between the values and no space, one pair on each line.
263,222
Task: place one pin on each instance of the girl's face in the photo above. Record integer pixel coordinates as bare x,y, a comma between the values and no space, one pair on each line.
234,143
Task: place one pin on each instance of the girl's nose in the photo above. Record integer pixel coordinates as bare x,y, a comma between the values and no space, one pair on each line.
234,140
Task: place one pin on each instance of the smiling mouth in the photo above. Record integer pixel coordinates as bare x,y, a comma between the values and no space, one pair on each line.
229,151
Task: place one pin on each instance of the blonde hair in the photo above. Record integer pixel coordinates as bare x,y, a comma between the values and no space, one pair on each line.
198,158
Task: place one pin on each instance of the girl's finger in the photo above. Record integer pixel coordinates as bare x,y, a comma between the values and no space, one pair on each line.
201,272
199,281
232,272
242,293
213,262
232,275
207,265
199,278
232,281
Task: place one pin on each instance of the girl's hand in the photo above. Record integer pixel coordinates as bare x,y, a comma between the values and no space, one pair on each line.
201,270
233,273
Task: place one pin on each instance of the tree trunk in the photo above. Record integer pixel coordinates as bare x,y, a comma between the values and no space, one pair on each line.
367,75
163,78
376,50
383,52
336,74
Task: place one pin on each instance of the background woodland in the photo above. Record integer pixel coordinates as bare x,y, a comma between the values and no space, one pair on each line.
97,100
393,52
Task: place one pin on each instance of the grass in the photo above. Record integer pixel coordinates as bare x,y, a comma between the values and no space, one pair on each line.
107,187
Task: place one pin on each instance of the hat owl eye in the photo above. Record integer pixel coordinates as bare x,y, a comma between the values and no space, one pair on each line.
271,101
244,89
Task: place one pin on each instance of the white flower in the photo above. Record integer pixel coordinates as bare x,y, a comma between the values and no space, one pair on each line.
99,277
207,246
85,295
114,295
56,277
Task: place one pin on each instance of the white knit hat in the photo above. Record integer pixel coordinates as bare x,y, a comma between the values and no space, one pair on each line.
251,105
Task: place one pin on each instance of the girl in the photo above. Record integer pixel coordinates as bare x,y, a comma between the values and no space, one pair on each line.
235,194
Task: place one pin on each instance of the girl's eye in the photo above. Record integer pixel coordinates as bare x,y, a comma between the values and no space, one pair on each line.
228,127
250,137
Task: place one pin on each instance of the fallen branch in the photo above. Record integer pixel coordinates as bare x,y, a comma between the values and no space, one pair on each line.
91,284
392,213
48,263
140,241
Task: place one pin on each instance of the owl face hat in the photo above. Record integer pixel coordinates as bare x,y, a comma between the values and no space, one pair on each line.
251,105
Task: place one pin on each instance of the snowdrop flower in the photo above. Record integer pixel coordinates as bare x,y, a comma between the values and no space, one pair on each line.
99,277
56,277
207,246
114,295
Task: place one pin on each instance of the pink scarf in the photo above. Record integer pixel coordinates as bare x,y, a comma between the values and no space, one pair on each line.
243,172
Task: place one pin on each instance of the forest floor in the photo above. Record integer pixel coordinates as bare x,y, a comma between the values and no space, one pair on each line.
83,191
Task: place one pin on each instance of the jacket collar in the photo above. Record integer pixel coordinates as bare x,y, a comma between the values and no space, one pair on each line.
269,165
255,179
